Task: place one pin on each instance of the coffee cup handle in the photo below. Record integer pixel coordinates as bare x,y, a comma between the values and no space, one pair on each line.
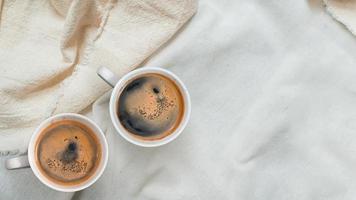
108,76
17,162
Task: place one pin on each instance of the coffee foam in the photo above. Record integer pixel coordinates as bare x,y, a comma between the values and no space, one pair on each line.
150,107
67,152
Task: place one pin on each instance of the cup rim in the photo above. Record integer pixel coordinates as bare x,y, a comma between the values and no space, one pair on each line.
119,88
97,131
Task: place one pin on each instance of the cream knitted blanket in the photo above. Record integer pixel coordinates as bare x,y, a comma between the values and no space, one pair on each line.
50,50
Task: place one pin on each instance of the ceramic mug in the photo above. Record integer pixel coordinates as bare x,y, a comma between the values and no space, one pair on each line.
119,85
29,159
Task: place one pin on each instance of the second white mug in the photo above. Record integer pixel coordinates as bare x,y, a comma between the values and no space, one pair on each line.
120,84
31,160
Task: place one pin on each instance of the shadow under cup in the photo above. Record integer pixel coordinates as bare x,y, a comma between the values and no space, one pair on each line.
150,106
68,152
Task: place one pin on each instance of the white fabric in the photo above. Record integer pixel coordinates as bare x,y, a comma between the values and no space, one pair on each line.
273,88
50,50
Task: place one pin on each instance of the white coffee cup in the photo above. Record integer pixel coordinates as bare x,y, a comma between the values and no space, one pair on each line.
120,84
29,159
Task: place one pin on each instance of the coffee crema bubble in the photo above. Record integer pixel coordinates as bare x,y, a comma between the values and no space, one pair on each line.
68,152
150,107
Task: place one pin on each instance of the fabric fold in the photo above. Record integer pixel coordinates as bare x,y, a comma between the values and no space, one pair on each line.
343,11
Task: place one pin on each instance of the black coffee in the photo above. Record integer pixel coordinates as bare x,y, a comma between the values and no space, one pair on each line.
68,152
150,106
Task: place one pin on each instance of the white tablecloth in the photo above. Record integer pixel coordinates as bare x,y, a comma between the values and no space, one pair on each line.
273,89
